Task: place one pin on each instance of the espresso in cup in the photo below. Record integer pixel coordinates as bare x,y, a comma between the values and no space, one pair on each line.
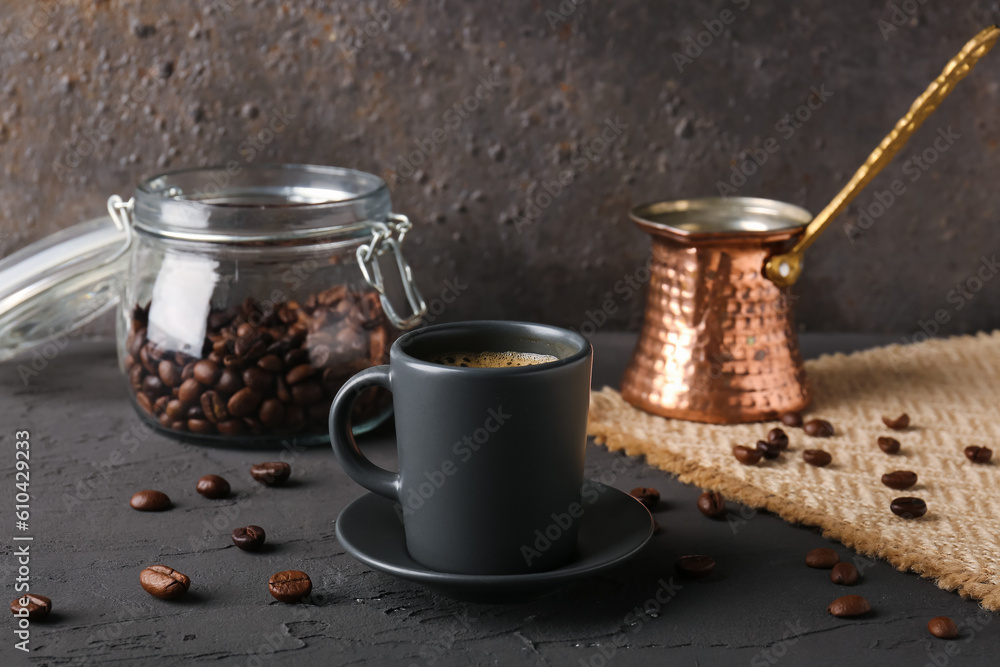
491,359
491,423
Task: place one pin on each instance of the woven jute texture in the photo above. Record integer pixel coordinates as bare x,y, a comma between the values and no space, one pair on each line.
951,390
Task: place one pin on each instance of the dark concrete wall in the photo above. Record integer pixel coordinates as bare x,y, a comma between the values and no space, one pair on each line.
98,94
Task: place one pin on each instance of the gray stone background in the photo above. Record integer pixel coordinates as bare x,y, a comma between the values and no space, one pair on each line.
96,95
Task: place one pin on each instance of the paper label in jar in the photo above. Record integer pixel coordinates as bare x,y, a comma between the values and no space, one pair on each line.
182,299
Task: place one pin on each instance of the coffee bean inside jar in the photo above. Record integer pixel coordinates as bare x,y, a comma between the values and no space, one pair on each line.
262,371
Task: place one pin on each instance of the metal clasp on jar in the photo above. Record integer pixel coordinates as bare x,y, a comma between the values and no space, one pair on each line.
388,237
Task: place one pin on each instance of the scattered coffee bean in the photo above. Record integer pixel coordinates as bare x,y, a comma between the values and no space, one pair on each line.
899,479
646,495
844,574
695,567
908,507
942,627
793,419
822,558
778,438
819,428
38,606
817,457
272,473
164,582
900,423
747,456
213,486
249,538
769,450
150,501
888,445
712,504
289,586
978,454
849,605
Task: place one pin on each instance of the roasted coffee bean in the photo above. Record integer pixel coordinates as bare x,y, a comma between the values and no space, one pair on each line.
255,425
307,393
793,419
908,507
249,538
150,501
844,574
272,412
214,406
147,360
233,362
175,409
271,473
899,423
299,373
270,363
257,379
289,586
778,438
164,582
135,343
135,376
190,391
849,605
295,418
712,504
37,606
978,454
144,402
188,372
213,486
243,402
899,479
169,373
153,386
818,428
769,450
888,445
296,357
195,412
822,558
231,427
747,456
230,381
160,404
942,627
646,495
207,372
200,426
246,330
817,457
695,567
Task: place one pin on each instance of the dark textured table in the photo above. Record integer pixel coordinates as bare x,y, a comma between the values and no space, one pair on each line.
762,606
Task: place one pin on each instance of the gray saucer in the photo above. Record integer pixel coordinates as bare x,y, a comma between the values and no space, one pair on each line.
613,529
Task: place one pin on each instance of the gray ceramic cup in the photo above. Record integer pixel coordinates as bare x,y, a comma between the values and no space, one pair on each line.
490,459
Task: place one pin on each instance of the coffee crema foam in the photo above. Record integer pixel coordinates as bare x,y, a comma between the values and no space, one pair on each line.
491,359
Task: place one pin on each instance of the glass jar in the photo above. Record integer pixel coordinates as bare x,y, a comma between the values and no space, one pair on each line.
250,298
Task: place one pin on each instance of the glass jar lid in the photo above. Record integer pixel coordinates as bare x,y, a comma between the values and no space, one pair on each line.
52,287
270,203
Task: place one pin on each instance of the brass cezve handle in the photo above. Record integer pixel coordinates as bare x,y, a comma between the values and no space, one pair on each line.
783,270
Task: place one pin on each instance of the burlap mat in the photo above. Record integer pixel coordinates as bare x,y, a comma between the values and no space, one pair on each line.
951,390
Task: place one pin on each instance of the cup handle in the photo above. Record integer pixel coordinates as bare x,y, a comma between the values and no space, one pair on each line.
354,463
